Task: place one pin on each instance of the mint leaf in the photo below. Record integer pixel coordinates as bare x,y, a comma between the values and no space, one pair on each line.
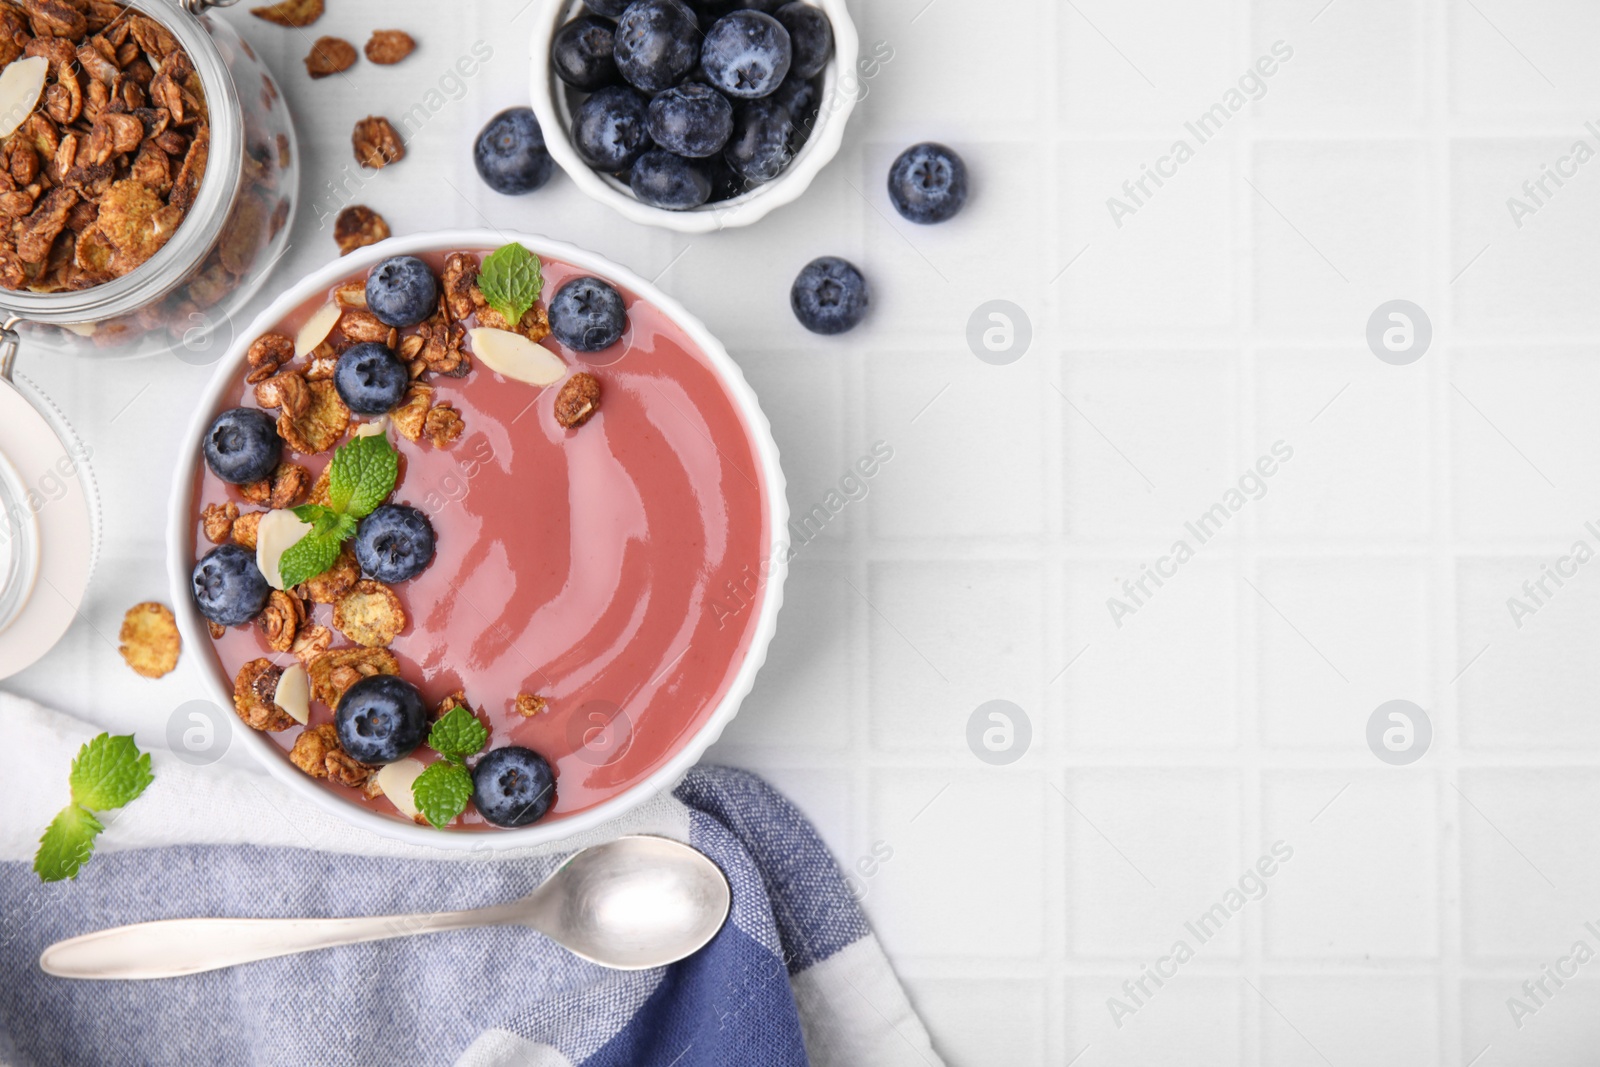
458,734
511,282
308,557
109,772
322,520
441,792
363,473
67,843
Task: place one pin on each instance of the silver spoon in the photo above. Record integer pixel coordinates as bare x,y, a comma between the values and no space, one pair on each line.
632,903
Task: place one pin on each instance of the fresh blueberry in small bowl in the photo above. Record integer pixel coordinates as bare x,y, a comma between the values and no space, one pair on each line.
243,445
583,53
664,180
798,96
830,296
657,44
513,786
394,544
611,9
747,54
610,130
587,315
758,151
928,183
229,588
691,120
810,38
370,378
510,153
381,719
401,291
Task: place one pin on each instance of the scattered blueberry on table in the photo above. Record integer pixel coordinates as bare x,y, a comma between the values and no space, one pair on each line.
401,291
381,719
229,588
510,153
395,543
928,183
370,378
513,786
830,296
730,88
243,445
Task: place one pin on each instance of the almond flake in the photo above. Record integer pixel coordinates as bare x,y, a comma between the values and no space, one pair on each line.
514,356
395,780
316,329
294,693
21,83
279,530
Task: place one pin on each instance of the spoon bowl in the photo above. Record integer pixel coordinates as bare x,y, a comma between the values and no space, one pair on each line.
629,904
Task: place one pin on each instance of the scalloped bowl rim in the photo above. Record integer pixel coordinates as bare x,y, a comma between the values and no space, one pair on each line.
181,547
823,145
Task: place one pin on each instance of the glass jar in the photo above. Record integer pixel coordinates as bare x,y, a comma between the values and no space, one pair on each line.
224,248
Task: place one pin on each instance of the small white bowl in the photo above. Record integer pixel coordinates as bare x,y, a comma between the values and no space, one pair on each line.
182,520
840,91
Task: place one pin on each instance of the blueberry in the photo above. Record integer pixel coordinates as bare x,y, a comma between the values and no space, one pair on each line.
394,544
928,183
657,43
664,180
370,379
243,445
759,148
725,184
610,130
380,719
228,586
582,53
513,786
798,96
510,153
401,291
609,8
587,315
810,37
747,54
830,296
691,120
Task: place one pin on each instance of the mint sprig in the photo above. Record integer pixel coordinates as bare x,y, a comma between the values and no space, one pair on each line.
107,773
441,792
511,282
361,476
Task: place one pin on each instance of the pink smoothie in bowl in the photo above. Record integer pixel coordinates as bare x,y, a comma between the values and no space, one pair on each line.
619,570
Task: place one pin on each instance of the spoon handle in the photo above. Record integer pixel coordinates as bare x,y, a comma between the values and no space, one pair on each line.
175,947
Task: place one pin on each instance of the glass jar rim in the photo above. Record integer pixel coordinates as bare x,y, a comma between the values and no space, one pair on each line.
206,217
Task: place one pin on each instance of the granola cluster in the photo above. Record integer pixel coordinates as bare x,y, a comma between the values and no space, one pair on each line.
150,642
103,172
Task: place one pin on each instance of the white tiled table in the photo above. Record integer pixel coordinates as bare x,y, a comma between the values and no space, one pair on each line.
1228,313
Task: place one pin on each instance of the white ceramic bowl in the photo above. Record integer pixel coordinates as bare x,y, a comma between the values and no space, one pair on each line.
840,90
182,520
